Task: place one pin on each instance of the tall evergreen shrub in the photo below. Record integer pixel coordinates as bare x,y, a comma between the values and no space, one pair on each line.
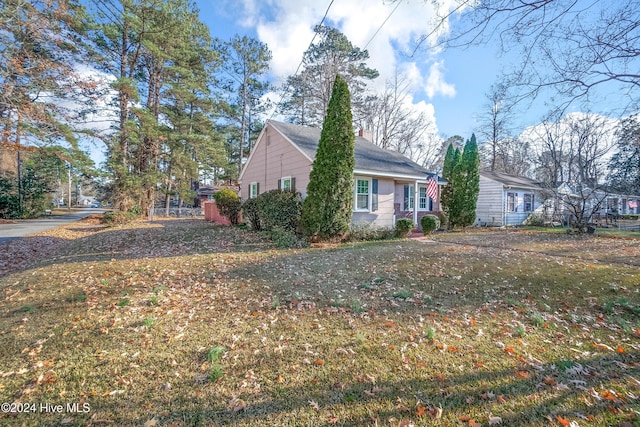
327,209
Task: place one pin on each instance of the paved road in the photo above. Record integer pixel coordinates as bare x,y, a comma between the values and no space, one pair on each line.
21,228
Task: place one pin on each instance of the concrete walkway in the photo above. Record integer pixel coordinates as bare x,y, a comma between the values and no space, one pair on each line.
20,228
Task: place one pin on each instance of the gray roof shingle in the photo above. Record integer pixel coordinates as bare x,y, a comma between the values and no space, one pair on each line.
368,156
513,180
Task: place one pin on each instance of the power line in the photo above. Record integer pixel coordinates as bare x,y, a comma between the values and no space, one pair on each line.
382,25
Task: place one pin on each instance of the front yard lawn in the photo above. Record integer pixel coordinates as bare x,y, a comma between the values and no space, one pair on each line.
183,323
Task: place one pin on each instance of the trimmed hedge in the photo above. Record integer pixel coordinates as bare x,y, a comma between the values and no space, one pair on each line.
404,227
430,223
229,204
251,213
279,209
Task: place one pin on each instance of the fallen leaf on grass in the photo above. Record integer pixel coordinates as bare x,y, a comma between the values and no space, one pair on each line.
495,420
436,413
236,404
314,405
601,346
634,381
318,362
153,422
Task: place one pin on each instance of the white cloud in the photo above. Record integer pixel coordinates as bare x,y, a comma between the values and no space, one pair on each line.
435,83
286,26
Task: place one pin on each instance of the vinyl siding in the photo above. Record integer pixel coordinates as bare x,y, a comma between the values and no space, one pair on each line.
383,217
273,158
490,204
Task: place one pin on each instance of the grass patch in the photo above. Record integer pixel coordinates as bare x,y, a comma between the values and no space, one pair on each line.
531,327
123,302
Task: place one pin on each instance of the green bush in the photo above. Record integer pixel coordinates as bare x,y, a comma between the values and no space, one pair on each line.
536,220
251,213
404,227
134,211
284,238
277,208
429,223
115,218
365,231
229,204
444,219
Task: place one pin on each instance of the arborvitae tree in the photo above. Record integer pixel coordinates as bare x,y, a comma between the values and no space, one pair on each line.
326,212
451,159
470,174
462,172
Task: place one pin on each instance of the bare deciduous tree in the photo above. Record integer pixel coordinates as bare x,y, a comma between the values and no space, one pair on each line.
397,127
570,156
576,48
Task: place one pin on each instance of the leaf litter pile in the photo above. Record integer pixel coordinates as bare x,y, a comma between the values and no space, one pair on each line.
182,323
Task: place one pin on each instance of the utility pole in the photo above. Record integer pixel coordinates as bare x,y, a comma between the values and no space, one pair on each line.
69,205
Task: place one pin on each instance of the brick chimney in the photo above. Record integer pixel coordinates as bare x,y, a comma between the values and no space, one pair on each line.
366,134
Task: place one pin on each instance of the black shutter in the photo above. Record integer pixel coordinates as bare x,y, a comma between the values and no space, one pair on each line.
257,188
279,184
405,206
374,194
293,185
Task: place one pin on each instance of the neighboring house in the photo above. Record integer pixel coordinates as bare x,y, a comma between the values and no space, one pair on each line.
386,185
204,194
621,204
506,200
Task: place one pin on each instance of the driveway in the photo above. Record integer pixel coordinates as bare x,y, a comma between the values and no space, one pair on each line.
21,228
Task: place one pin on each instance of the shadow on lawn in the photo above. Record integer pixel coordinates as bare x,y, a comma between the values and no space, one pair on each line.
398,399
177,238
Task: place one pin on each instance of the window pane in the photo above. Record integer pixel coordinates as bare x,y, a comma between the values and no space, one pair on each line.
362,194
423,198
362,201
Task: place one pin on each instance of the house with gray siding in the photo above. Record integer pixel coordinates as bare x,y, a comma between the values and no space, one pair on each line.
507,200
386,185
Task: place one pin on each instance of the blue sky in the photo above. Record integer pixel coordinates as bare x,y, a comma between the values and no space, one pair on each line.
448,86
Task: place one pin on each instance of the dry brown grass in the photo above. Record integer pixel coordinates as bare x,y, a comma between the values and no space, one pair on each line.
521,329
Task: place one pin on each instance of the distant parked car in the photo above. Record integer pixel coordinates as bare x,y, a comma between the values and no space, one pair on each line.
95,205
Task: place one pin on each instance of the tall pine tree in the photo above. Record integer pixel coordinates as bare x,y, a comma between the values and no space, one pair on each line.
327,209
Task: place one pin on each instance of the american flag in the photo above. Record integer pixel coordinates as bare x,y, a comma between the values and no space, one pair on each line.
632,204
432,189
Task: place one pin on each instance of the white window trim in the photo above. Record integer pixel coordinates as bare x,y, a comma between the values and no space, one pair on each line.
253,190
283,179
515,202
355,194
524,203
426,198
412,197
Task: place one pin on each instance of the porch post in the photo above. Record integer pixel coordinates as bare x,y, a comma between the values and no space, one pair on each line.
416,203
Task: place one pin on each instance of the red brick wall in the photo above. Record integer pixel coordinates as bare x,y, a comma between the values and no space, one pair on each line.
212,214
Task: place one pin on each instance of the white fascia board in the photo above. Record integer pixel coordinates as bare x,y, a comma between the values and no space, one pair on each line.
420,178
